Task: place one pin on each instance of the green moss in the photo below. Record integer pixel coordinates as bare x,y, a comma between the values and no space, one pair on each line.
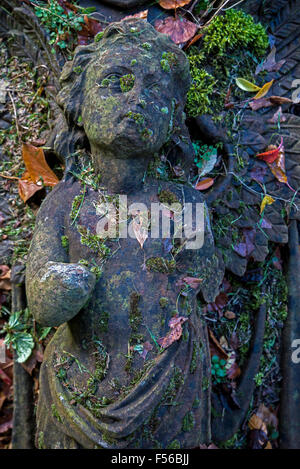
188,422
201,89
175,444
99,36
136,116
233,30
78,70
135,314
55,413
65,242
195,357
175,383
133,62
75,207
103,321
168,197
146,134
159,264
93,242
146,45
165,65
41,444
163,302
127,82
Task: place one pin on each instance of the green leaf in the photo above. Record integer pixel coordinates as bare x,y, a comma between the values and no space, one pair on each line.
45,332
246,85
23,343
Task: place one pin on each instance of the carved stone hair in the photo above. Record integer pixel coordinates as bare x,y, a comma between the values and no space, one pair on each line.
119,35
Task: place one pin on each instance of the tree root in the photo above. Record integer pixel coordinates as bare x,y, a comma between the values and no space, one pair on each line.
226,421
23,418
290,394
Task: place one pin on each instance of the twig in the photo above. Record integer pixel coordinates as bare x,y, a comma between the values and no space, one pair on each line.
15,114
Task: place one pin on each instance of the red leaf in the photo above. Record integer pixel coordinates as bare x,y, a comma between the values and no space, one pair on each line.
271,155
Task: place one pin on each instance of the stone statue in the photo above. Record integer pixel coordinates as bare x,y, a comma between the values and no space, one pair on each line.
115,374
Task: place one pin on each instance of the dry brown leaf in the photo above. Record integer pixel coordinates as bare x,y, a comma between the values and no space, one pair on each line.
141,15
5,283
215,347
229,315
27,188
204,184
264,90
277,117
37,166
140,228
175,333
173,4
178,29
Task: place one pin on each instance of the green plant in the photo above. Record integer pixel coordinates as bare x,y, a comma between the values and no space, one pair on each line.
218,369
203,153
60,24
20,334
127,82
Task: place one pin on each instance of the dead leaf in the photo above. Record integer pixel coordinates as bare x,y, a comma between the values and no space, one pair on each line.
278,166
178,29
267,200
140,228
141,15
37,166
146,348
271,154
193,40
5,283
277,117
175,333
270,101
264,90
258,173
229,315
233,372
246,247
204,184
210,446
27,188
215,347
270,64
4,427
35,357
173,4
193,282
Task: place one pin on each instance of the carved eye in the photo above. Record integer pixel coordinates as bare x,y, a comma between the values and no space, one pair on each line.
111,81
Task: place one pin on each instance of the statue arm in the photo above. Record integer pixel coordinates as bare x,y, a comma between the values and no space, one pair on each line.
56,290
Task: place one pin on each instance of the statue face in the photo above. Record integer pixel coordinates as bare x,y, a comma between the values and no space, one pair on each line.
128,107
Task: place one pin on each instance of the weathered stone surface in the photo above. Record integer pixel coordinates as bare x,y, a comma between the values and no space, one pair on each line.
126,94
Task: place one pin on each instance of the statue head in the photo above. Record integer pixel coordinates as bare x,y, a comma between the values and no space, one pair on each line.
127,90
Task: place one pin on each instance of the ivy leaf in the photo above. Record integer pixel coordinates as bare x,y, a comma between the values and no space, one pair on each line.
23,343
246,85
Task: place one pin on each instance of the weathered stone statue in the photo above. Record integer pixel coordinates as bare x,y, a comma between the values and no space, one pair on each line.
108,380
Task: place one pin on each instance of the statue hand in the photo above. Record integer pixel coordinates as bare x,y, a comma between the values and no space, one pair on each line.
58,291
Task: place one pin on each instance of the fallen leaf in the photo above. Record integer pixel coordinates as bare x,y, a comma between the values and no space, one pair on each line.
173,4
175,333
141,15
246,85
270,101
233,372
147,347
267,200
210,446
140,229
270,64
27,188
272,154
204,184
245,248
278,166
267,416
5,283
229,315
37,166
258,173
35,357
193,40
4,427
209,165
264,90
215,347
193,282
258,439
178,29
277,117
